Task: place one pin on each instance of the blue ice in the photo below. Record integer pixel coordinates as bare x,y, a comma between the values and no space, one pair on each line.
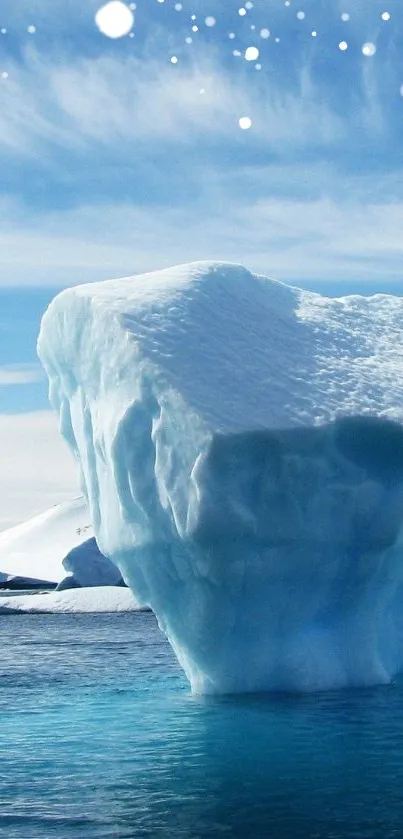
240,444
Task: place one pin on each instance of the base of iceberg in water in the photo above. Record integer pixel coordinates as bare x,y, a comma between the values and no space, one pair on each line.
241,448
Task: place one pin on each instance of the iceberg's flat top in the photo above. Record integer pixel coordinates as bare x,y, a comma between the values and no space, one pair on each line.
79,600
286,356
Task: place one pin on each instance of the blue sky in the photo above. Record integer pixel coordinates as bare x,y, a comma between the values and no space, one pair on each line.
115,160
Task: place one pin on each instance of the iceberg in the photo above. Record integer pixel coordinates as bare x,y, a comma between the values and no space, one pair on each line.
55,547
91,600
10,582
86,566
240,444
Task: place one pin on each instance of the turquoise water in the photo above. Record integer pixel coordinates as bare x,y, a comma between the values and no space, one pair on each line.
100,738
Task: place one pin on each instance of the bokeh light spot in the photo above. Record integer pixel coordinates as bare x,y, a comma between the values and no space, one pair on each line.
251,53
115,19
368,49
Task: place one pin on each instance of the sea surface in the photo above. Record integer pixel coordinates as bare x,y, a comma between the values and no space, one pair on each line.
100,737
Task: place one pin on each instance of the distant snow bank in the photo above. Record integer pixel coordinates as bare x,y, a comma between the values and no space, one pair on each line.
57,543
36,548
78,600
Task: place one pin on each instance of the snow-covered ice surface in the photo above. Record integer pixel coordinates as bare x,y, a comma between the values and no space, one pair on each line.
241,448
58,542
37,547
79,600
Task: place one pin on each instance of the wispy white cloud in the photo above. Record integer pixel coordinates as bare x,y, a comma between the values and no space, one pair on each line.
107,101
20,374
195,186
37,470
289,239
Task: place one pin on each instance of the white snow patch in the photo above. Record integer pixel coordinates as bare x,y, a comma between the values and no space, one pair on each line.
78,600
36,548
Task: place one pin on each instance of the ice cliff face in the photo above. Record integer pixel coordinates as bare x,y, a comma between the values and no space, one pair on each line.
241,448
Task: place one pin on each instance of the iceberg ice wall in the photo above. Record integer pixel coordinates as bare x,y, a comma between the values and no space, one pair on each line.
241,448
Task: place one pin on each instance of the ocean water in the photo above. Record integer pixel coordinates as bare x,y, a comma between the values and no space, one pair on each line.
101,738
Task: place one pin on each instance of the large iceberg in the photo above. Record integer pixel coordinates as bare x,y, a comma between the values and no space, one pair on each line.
241,448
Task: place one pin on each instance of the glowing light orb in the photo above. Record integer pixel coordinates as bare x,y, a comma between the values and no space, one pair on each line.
345,16
265,33
251,54
300,15
368,49
115,19
343,46
245,123
385,16
210,21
